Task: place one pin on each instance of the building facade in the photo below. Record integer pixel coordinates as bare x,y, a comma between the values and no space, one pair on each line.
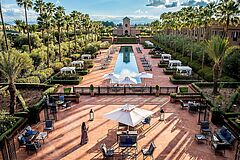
202,33
126,29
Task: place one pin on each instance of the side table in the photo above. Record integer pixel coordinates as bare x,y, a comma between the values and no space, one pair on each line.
42,136
201,138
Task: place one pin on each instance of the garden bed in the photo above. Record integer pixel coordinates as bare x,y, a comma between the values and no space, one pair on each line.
182,81
30,95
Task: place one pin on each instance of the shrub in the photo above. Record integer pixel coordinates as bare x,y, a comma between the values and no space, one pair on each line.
57,66
83,72
51,89
66,76
105,45
183,89
75,56
88,63
31,79
206,73
44,74
66,61
195,66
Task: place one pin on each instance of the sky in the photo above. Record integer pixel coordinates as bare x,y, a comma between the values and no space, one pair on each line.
140,11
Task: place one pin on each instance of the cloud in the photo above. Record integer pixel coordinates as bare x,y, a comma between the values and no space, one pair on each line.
194,3
172,3
12,12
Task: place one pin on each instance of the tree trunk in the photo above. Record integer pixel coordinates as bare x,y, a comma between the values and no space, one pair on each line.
4,30
68,54
75,38
215,78
13,97
48,56
59,43
29,40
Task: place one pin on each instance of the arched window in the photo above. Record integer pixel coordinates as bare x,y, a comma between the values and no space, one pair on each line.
126,25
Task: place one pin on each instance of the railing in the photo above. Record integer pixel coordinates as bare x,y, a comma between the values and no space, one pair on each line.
125,90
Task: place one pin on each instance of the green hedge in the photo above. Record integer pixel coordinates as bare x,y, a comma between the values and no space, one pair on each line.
83,72
156,56
181,81
31,79
44,74
18,122
67,82
126,40
162,65
169,71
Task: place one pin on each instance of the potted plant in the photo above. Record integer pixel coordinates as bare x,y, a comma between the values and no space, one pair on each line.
173,97
91,90
77,97
157,90
217,117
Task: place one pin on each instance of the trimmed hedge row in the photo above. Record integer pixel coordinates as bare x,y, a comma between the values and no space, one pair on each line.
31,79
182,81
206,72
66,82
162,65
169,71
156,56
125,40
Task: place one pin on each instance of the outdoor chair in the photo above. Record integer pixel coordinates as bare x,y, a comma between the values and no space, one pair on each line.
148,151
183,104
107,152
146,120
33,147
61,98
67,104
48,125
192,108
218,147
205,127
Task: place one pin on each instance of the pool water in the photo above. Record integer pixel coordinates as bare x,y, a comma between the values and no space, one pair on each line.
126,64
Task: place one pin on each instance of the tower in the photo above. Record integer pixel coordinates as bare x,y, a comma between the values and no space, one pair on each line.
126,26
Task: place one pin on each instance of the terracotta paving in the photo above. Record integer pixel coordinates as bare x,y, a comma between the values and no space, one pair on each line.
96,75
173,137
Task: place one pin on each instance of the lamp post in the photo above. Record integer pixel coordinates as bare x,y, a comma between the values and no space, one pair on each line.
91,115
162,115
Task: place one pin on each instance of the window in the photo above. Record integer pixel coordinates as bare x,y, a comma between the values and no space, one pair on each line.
126,25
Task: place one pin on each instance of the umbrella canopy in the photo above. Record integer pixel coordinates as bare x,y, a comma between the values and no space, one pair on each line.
145,75
111,76
128,80
128,115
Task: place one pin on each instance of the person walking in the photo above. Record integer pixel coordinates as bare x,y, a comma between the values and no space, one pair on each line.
84,134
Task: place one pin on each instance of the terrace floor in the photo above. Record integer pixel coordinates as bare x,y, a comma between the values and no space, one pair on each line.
173,137
96,75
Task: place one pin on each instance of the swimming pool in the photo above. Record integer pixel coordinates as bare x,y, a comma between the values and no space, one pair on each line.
126,64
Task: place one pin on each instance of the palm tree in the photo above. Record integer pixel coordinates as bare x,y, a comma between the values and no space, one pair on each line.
12,63
74,16
26,4
227,14
44,22
68,21
39,7
218,49
3,24
20,25
59,19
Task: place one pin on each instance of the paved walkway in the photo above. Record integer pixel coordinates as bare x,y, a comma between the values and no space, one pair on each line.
173,137
95,77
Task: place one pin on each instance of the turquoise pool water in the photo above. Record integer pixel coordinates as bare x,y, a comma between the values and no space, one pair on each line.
126,64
